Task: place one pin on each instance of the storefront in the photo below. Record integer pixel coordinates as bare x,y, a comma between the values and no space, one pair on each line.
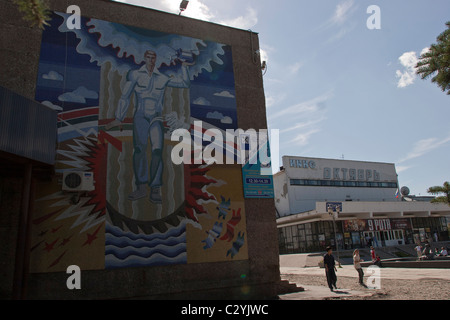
377,232
434,229
360,233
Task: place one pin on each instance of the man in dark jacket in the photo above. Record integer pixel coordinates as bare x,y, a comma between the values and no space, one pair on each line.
330,268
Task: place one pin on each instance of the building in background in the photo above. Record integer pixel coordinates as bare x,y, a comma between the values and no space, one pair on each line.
135,223
371,206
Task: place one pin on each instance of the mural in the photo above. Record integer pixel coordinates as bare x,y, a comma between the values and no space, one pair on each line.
120,92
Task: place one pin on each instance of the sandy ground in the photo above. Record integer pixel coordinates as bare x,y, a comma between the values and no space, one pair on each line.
401,284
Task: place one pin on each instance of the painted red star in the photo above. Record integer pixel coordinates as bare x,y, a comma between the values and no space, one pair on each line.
49,247
91,237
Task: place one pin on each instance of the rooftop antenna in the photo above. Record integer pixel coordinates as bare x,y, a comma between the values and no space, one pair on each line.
183,6
342,156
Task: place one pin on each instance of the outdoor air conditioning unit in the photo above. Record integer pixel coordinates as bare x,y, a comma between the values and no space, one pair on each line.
78,181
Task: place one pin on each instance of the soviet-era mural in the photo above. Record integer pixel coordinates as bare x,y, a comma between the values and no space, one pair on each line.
120,92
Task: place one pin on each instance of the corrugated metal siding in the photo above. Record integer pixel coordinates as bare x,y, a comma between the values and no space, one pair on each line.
27,128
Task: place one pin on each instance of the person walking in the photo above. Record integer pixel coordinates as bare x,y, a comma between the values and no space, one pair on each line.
418,249
372,254
357,264
330,268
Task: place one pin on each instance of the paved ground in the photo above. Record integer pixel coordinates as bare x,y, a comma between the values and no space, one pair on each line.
396,283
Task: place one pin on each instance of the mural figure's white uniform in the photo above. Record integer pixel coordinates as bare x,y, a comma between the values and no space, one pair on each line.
148,89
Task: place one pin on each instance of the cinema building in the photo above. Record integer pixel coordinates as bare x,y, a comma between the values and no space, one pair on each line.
369,204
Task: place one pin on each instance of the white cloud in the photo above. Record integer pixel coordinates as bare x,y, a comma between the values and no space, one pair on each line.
270,100
408,60
295,67
263,55
201,101
224,94
304,124
343,11
424,50
53,75
79,95
338,25
51,105
247,21
303,108
424,146
312,110
197,9
302,139
403,168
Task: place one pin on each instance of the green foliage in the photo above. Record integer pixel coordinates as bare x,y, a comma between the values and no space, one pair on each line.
35,11
437,61
445,189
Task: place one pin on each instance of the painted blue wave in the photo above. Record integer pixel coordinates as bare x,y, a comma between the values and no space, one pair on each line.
127,249
111,262
172,232
167,251
122,242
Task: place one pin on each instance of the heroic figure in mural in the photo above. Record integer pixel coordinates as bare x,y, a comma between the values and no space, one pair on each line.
148,86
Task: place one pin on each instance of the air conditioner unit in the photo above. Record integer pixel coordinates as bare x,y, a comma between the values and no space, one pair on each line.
78,181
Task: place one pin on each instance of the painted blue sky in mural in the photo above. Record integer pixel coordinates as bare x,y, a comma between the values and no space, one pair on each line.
69,71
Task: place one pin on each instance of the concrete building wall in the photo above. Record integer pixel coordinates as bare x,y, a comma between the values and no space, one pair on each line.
249,269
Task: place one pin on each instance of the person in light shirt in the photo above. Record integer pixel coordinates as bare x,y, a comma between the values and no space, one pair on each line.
357,264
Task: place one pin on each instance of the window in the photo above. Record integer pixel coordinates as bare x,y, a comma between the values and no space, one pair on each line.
336,183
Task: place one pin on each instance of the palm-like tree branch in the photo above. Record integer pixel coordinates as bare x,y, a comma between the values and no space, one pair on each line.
437,61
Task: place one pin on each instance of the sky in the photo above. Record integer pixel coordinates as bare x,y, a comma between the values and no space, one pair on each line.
337,89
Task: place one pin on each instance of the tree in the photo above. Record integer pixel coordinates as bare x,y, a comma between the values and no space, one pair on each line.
445,189
437,60
35,11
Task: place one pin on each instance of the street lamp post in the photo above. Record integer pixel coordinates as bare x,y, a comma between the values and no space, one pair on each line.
331,213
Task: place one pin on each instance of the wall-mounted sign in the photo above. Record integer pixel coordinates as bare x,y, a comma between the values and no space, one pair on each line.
351,174
257,177
298,163
376,224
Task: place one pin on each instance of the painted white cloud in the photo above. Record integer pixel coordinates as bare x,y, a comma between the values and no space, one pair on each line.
224,94
79,95
201,101
53,75
226,120
219,116
51,105
214,115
